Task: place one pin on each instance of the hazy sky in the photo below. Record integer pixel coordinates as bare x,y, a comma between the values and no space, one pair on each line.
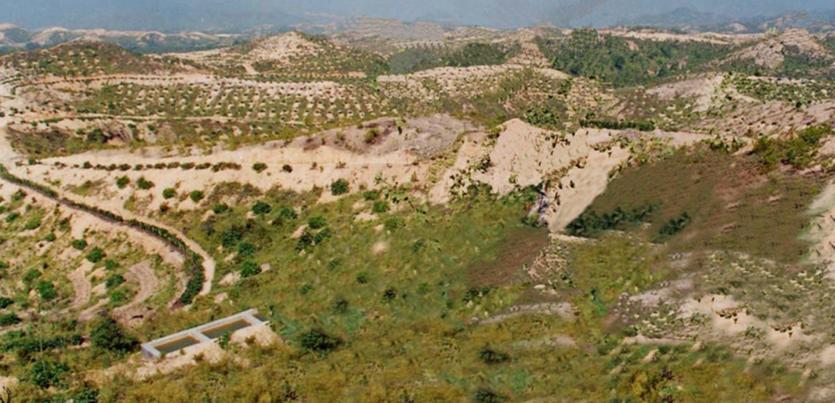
244,14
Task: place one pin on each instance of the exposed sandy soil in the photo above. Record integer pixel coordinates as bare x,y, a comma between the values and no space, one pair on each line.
822,232
770,52
701,90
577,166
81,285
284,47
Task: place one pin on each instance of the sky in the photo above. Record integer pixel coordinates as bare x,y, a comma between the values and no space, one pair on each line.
236,15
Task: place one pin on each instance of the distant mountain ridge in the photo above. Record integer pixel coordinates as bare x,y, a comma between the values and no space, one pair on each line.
16,38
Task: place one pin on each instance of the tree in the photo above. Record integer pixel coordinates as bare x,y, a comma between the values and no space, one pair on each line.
108,335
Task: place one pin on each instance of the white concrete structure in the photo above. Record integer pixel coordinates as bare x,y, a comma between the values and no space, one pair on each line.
206,333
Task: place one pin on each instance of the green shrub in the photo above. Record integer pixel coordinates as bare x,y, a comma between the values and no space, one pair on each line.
79,244
249,269
30,276
4,265
144,184
380,206
340,187
19,195
394,223
95,255
318,341
46,290
261,208
169,193
371,195
122,182
47,373
340,306
259,167
672,227
220,208
118,297
5,302
50,237
231,236
246,249
12,217
287,213
33,223
590,224
490,356
798,151
9,319
111,265
484,395
316,222
114,281
196,196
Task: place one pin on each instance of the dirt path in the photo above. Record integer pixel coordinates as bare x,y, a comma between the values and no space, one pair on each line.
80,285
142,274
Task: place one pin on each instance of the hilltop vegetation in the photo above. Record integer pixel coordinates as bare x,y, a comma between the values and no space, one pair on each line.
472,54
627,62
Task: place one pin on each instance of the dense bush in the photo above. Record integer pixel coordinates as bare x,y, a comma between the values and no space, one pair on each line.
340,187
590,224
47,373
5,302
491,356
79,244
259,167
249,269
122,182
144,184
107,335
95,255
618,124
672,227
169,193
196,196
261,208
316,222
46,290
797,151
220,208
380,206
114,281
318,341
9,319
613,59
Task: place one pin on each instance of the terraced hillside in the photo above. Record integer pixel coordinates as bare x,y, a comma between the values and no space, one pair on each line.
429,214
